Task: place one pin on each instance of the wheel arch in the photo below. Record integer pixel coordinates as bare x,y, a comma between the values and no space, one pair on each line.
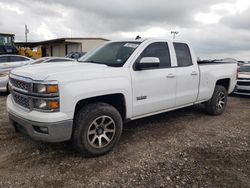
116,100
225,82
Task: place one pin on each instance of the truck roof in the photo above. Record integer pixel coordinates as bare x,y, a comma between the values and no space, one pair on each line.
7,34
150,39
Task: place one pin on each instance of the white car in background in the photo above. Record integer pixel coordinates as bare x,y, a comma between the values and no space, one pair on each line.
7,63
52,60
243,81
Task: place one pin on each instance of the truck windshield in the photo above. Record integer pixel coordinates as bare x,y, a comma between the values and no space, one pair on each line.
5,40
244,69
111,54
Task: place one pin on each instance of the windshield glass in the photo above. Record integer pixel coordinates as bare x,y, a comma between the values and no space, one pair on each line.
111,54
244,69
5,40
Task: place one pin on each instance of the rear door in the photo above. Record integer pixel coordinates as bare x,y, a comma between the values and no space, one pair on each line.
187,75
154,88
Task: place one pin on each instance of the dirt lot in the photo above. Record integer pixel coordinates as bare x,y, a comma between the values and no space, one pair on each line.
184,148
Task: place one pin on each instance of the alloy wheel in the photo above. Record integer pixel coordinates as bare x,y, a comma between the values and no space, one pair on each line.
101,131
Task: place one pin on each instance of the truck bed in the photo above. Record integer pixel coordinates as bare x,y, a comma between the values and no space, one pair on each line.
210,71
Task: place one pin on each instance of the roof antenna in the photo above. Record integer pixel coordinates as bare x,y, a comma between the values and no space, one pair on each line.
137,37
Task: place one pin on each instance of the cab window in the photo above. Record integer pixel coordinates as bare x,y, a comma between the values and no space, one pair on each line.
159,50
183,55
17,58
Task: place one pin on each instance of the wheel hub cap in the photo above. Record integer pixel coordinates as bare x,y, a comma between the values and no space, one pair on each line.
220,101
101,132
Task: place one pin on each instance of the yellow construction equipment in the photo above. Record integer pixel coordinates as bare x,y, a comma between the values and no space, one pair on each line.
33,53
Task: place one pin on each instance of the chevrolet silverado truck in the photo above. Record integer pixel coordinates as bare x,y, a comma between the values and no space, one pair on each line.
88,102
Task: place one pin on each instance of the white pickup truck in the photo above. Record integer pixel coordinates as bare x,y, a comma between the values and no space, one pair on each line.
88,102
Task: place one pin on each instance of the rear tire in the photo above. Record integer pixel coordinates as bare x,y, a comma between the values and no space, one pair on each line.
217,104
97,129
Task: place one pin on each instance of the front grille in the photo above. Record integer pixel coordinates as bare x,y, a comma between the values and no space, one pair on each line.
243,83
243,78
19,84
21,89
243,91
21,100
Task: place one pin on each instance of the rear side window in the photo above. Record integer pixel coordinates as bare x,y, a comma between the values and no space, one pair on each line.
3,59
54,60
183,54
160,50
17,58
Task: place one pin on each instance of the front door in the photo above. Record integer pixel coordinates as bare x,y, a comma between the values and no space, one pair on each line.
154,89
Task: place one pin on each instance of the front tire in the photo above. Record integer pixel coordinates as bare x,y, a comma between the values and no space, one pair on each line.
217,104
97,129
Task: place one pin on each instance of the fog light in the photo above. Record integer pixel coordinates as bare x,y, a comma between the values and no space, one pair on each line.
43,130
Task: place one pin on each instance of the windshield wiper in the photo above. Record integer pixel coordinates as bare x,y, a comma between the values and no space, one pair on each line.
92,62
102,63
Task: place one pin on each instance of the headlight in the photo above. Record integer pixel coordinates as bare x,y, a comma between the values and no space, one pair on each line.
45,88
46,104
3,74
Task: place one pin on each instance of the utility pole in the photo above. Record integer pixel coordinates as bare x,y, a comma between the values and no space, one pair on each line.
174,33
26,33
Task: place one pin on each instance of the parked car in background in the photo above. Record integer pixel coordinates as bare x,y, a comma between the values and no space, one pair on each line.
51,60
243,81
4,79
75,55
7,63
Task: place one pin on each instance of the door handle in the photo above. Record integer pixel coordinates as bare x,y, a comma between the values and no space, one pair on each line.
194,73
170,75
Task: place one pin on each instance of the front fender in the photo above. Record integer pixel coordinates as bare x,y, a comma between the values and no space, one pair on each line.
73,92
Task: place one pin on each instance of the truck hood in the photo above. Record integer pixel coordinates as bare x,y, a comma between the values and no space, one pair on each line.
57,71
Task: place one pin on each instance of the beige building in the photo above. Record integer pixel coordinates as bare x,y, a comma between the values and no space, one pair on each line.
63,46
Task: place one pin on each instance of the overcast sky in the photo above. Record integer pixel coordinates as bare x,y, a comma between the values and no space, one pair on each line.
215,28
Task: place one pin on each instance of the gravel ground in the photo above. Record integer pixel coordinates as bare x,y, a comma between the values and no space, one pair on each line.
183,148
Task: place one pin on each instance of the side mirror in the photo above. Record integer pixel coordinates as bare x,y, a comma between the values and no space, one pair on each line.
148,62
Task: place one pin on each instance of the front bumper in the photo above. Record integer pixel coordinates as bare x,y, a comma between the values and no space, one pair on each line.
56,131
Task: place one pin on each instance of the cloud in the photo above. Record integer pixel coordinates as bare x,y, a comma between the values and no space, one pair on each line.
214,27
238,21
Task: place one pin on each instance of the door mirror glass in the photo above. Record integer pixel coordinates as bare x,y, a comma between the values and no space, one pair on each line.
148,62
